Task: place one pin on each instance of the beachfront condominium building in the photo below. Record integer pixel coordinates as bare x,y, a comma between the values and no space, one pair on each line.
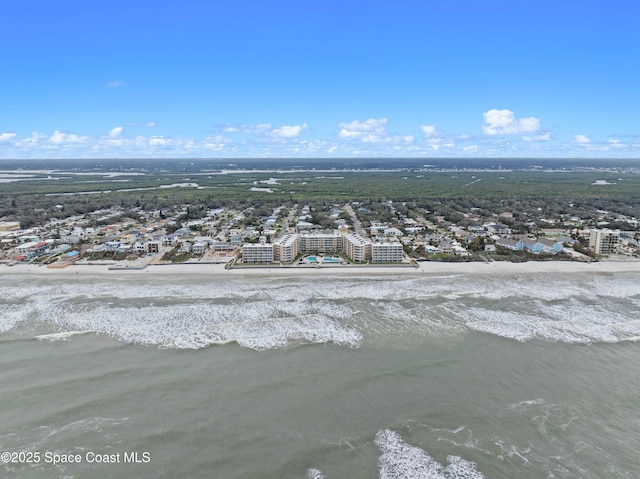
386,252
604,241
357,248
286,249
258,253
320,243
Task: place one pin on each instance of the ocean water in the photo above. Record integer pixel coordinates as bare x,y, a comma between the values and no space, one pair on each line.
451,376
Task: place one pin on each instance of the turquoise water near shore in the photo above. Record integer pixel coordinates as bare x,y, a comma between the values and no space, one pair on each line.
497,377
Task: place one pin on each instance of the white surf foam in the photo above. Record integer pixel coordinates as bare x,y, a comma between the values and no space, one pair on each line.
569,322
619,286
400,460
12,314
315,474
265,315
62,336
260,326
518,406
459,468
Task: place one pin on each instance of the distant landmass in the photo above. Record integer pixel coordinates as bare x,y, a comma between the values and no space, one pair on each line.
204,164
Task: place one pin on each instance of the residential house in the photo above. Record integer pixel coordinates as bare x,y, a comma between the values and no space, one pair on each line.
550,246
170,240
153,246
139,247
200,247
497,229
237,240
112,245
538,246
507,243
69,239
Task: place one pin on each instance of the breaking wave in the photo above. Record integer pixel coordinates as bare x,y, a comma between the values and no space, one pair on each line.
191,313
315,474
400,460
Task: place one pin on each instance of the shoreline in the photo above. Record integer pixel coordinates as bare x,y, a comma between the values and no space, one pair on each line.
425,268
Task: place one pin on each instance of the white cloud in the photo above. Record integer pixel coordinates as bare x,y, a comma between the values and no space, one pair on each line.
57,137
615,143
504,122
181,145
428,130
217,143
116,84
34,139
158,141
541,137
116,132
260,128
370,129
437,143
368,138
135,124
267,131
61,138
287,131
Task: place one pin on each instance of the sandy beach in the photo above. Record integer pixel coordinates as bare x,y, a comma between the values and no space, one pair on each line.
425,268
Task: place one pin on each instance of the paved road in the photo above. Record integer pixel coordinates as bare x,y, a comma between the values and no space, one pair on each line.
356,222
285,225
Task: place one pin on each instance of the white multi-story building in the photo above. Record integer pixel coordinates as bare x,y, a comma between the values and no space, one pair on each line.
357,248
169,240
9,225
604,241
286,249
199,248
321,243
497,229
153,246
386,252
257,253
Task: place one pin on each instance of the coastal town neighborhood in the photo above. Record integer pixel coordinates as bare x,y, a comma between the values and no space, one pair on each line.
311,235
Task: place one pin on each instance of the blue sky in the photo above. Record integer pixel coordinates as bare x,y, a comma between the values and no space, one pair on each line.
320,79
